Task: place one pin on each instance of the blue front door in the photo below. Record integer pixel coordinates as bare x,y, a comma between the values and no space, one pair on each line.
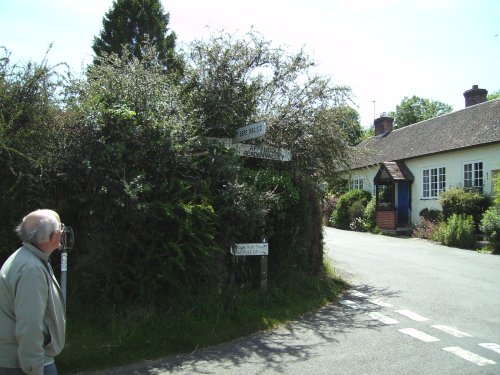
403,203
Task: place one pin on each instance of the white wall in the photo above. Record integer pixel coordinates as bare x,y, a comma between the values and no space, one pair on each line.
452,161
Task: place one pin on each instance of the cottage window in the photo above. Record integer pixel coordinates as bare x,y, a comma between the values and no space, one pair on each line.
473,176
433,182
357,183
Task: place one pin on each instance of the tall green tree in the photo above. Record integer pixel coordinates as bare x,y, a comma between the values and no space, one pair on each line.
132,23
348,120
235,82
30,120
416,109
493,95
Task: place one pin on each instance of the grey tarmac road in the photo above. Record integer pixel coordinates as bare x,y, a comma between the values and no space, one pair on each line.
414,308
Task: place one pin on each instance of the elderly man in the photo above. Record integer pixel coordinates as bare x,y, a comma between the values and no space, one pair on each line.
32,311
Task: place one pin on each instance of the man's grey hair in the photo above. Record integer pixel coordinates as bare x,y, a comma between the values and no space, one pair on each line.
40,232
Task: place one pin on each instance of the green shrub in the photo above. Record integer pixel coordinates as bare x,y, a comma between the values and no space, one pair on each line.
464,202
490,226
327,207
430,214
425,229
357,225
496,190
341,217
458,231
369,216
356,211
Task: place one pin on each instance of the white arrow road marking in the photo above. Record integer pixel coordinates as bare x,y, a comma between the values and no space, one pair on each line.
380,303
469,356
351,304
452,331
491,346
382,318
418,334
411,315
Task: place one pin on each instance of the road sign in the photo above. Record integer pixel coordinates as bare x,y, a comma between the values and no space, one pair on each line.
240,249
227,142
251,131
263,152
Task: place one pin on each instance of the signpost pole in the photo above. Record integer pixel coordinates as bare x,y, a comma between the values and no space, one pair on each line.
263,272
263,269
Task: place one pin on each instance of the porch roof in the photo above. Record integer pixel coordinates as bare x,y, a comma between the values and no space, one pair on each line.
393,171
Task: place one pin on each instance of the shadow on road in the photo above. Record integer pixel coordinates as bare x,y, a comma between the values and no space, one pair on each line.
272,351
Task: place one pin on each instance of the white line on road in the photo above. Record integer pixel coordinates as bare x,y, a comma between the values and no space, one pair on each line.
382,318
375,301
452,331
418,334
358,294
351,304
491,346
411,315
380,303
469,356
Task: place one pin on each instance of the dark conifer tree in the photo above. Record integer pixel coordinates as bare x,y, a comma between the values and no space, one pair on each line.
133,23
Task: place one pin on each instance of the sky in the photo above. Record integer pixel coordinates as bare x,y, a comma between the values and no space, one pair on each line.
384,50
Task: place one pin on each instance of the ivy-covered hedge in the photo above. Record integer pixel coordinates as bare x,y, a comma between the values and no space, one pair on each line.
121,154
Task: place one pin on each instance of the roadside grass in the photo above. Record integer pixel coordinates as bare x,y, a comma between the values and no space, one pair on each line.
100,338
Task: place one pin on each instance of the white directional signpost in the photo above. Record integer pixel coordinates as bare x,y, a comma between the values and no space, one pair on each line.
227,142
261,249
251,131
246,133
263,152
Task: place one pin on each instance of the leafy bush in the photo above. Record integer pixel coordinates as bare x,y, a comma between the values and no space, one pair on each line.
425,229
329,204
30,129
357,225
124,162
370,216
356,211
464,202
347,209
457,231
430,214
496,190
490,226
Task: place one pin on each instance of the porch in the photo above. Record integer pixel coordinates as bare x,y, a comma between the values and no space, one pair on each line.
393,197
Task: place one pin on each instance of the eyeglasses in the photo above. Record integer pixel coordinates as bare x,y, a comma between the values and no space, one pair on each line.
61,227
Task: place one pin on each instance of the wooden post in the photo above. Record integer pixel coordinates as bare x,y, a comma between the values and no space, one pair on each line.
263,272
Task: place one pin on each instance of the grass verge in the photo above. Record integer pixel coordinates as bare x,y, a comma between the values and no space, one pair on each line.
104,337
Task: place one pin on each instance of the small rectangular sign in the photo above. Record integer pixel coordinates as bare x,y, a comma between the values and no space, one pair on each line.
226,142
240,249
263,152
251,131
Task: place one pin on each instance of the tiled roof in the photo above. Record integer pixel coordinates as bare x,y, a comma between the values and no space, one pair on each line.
395,171
472,126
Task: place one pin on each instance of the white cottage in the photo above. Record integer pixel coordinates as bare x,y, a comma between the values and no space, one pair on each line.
408,168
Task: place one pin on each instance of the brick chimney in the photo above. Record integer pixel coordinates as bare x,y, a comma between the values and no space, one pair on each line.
475,96
383,124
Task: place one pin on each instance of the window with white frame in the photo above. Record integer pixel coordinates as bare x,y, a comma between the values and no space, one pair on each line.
473,176
433,182
357,183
